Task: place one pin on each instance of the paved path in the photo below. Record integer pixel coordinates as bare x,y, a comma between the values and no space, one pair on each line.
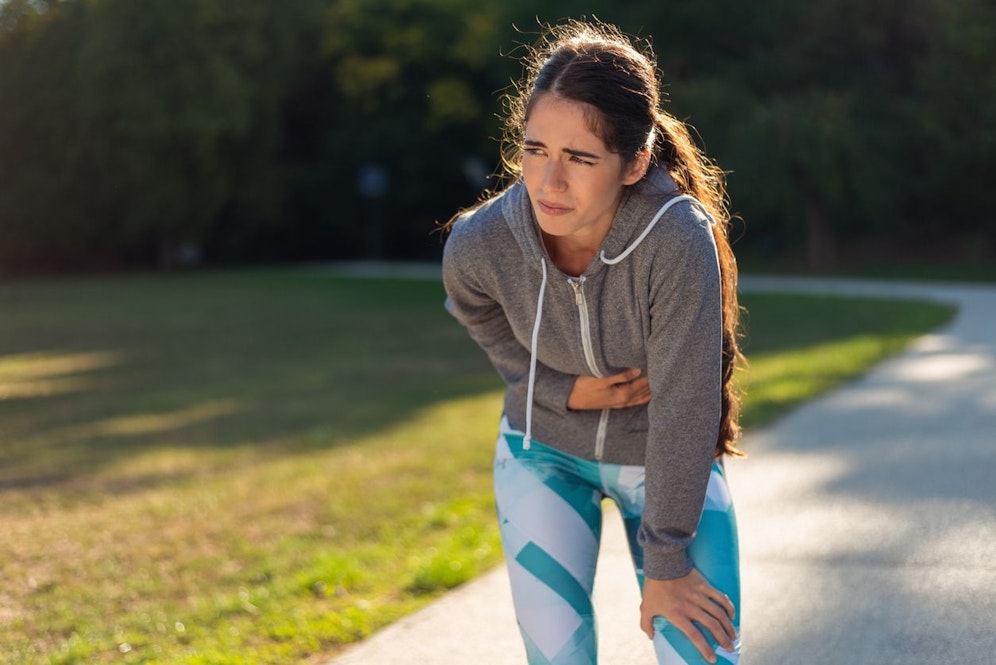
867,521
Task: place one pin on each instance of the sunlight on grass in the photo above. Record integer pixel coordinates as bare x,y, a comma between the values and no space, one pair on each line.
28,366
149,423
46,374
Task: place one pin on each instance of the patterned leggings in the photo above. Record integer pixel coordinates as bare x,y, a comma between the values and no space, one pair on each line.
550,516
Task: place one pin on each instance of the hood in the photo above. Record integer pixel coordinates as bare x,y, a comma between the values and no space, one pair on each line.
639,204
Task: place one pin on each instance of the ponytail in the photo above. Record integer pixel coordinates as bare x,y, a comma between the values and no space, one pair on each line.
697,175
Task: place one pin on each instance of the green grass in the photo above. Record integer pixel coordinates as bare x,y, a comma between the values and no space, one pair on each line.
261,467
799,346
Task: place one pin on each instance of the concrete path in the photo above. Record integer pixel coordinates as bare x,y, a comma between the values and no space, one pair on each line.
867,522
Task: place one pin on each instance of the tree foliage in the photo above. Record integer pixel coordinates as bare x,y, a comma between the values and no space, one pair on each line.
170,130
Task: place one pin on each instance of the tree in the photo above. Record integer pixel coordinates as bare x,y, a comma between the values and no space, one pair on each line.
37,136
262,130
411,83
843,122
131,127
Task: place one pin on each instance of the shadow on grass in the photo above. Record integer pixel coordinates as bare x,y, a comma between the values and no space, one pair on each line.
249,365
270,362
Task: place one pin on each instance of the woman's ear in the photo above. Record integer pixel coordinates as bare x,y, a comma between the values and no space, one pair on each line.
637,168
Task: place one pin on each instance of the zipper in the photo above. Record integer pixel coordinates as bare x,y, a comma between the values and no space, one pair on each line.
589,356
589,353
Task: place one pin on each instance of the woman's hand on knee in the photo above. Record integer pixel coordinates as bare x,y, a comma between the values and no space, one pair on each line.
618,391
688,599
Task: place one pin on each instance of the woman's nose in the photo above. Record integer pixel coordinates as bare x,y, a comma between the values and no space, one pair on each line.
553,176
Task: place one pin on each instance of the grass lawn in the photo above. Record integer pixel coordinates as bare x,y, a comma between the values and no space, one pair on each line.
263,466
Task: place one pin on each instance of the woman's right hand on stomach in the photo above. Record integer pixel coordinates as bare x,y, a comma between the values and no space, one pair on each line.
619,391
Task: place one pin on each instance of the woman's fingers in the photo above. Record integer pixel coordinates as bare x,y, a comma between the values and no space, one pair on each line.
647,624
721,608
717,617
617,391
694,633
696,637
729,612
692,605
637,392
629,387
720,628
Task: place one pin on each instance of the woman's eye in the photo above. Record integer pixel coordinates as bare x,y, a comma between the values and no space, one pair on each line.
532,151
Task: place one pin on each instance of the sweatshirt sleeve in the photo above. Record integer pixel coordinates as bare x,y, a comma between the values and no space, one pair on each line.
469,301
684,355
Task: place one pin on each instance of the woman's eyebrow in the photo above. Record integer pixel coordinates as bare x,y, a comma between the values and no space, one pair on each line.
576,153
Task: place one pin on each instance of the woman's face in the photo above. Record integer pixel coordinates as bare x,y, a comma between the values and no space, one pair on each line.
574,182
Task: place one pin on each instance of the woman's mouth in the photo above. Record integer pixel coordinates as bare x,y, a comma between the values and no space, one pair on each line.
551,209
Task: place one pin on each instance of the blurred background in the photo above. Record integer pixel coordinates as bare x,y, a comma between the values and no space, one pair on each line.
169,133
263,465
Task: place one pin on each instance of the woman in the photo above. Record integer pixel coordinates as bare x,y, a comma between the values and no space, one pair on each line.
601,285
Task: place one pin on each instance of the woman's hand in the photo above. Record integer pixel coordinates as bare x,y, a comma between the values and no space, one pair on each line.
609,392
684,600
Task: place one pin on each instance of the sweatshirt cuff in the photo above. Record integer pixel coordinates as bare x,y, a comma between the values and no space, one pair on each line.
666,565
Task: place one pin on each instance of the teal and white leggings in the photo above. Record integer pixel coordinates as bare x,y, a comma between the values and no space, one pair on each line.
550,516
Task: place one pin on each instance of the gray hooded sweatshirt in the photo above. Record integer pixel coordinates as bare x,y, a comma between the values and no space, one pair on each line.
649,299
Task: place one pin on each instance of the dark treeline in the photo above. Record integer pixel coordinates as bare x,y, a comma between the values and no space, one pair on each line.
184,131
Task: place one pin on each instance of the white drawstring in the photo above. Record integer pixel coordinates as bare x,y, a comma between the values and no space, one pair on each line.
527,439
650,226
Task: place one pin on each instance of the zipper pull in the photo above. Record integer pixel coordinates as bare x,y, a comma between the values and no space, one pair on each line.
578,285
577,291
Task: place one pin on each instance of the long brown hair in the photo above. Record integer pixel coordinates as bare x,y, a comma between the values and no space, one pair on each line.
595,64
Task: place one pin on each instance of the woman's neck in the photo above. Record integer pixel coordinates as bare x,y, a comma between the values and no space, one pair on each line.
570,256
